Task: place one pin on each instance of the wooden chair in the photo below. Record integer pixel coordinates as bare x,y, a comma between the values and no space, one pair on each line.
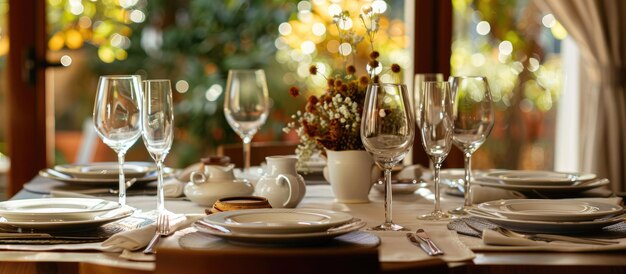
258,151
268,260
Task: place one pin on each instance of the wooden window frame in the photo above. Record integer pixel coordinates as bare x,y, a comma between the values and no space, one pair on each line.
432,51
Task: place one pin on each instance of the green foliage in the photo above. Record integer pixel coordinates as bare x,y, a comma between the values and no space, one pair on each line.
198,41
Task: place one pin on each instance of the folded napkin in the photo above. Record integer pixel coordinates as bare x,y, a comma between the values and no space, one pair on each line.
395,247
496,241
173,188
139,237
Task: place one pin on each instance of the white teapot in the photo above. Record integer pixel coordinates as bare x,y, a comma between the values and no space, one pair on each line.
214,182
282,185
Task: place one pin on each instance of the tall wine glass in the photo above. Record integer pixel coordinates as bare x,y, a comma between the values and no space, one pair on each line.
246,105
117,117
473,117
387,133
437,129
418,83
420,78
158,123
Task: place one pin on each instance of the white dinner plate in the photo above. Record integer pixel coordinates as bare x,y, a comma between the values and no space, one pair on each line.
551,210
529,226
278,221
106,170
112,182
55,209
546,189
279,239
93,222
542,178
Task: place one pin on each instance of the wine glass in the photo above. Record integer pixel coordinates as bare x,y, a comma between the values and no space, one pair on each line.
117,117
158,123
246,105
420,78
387,133
437,129
473,118
418,82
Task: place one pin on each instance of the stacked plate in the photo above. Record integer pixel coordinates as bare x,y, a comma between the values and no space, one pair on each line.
60,213
104,173
550,216
278,226
542,181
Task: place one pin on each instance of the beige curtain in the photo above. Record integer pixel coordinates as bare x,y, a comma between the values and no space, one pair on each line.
599,29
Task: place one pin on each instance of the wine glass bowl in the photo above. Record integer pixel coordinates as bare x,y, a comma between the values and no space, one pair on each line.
246,105
418,82
158,127
387,133
117,117
473,117
436,126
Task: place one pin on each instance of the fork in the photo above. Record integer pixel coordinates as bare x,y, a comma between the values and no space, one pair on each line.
162,229
551,237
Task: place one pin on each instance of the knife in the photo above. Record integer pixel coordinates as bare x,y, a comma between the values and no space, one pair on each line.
424,237
421,244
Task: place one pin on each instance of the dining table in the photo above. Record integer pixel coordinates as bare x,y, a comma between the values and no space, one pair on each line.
464,254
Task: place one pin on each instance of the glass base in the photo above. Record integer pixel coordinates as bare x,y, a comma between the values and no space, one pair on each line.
388,227
437,215
462,210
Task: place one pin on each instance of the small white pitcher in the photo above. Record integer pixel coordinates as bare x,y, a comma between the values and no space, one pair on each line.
282,185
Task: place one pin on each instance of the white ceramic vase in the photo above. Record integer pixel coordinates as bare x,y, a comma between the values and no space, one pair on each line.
350,175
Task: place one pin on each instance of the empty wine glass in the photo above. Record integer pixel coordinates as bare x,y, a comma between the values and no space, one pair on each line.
246,105
418,82
437,128
117,117
387,133
158,123
473,117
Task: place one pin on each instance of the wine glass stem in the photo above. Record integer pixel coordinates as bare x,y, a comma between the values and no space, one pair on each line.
122,180
388,196
246,153
160,194
437,192
467,180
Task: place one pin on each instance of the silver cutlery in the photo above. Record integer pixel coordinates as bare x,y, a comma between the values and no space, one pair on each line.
420,233
58,174
552,237
162,230
215,227
421,244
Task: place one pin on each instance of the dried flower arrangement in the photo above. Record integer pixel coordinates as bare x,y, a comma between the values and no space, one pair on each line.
333,120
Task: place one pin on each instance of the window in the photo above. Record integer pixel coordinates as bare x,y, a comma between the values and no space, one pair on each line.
519,49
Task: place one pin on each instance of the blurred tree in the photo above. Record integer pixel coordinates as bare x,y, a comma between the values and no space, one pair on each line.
191,42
